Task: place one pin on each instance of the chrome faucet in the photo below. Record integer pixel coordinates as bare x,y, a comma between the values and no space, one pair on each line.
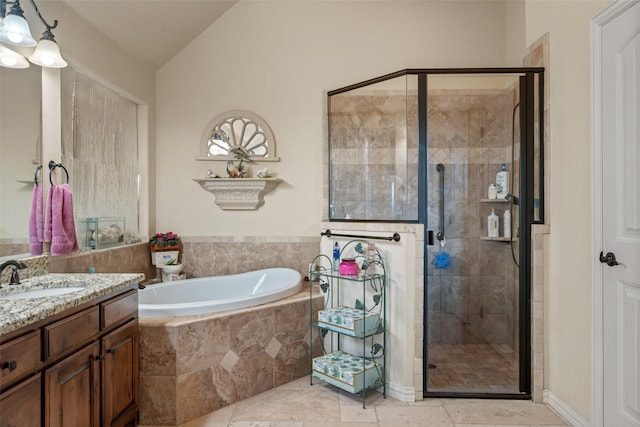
17,265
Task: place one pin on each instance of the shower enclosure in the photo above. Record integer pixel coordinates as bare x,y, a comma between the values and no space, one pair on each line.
424,146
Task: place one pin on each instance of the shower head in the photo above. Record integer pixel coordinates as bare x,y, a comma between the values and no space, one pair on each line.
513,199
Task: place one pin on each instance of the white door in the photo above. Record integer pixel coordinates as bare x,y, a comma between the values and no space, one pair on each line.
619,118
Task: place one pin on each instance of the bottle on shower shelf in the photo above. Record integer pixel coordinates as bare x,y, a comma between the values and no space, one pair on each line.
506,223
502,182
492,193
493,224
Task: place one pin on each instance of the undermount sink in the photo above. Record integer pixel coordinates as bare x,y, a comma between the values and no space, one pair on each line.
41,293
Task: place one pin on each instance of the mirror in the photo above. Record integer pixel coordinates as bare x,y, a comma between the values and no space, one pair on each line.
102,163
238,134
100,151
20,150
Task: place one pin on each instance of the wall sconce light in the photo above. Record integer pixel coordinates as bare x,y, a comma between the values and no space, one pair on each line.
14,31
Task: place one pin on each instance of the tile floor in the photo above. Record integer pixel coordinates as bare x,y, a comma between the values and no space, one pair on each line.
473,367
298,404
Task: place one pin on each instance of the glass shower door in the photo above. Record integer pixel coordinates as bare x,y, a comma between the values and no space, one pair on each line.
472,276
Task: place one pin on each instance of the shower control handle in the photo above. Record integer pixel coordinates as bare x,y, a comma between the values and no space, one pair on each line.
609,259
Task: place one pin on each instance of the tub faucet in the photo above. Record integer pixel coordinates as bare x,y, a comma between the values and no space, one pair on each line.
17,265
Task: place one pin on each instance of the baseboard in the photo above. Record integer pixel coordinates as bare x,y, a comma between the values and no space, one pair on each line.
564,410
403,394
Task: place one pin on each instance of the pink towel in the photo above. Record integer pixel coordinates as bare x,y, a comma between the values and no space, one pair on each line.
59,227
35,222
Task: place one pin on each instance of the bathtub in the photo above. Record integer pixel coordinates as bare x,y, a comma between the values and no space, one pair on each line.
219,293
191,365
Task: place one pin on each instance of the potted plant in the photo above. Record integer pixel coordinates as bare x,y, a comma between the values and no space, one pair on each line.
171,267
163,242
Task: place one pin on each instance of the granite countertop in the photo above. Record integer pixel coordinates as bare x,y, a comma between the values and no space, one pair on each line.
15,314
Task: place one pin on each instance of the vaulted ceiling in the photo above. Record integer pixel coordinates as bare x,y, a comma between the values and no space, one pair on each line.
151,30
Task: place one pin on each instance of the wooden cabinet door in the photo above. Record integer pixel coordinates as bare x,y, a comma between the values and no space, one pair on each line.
72,389
120,376
21,405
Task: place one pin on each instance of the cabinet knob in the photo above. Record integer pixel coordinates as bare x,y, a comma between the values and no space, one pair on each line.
111,351
100,357
11,366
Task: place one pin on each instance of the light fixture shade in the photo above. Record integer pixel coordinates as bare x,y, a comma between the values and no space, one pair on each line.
15,31
12,59
47,54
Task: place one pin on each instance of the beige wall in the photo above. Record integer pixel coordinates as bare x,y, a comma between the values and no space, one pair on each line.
276,59
568,291
514,32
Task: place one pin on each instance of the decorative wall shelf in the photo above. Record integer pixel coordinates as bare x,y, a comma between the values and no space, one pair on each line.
239,193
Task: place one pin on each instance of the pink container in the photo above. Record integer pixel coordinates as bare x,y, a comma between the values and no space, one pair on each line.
348,266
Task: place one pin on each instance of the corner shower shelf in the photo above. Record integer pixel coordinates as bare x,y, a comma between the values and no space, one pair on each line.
498,239
351,326
494,201
239,193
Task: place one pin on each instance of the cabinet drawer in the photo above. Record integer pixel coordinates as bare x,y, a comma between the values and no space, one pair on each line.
20,356
70,332
119,309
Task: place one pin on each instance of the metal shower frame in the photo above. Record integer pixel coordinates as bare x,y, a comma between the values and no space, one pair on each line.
531,78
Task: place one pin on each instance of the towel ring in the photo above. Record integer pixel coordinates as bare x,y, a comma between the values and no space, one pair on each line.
35,174
52,166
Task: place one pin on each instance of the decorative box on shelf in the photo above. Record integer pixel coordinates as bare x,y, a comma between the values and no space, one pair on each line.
161,258
348,372
102,233
349,321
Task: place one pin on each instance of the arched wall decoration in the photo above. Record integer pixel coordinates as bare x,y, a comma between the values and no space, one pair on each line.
238,133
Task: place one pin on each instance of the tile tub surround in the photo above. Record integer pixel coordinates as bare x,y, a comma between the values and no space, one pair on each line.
10,247
221,255
15,314
122,259
192,365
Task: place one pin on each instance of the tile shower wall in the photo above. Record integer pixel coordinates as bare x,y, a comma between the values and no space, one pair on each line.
475,299
374,157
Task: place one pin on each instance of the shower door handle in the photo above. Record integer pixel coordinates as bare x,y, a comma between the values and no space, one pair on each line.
609,259
430,238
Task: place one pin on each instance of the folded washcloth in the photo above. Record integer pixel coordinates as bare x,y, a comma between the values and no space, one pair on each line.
36,222
60,228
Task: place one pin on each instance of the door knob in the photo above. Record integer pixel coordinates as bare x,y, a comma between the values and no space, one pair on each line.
609,259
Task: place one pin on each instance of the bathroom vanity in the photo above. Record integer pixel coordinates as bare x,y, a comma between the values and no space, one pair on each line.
69,351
